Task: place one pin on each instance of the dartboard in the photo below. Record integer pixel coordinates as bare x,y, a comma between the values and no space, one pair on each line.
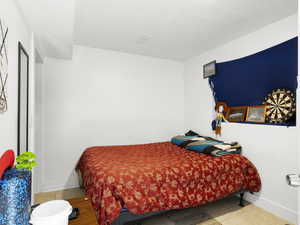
280,105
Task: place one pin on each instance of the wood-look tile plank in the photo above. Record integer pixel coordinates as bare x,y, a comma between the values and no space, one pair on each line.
87,214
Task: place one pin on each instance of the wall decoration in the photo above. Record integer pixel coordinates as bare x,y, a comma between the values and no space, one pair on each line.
256,114
3,66
209,69
23,100
236,114
248,80
280,105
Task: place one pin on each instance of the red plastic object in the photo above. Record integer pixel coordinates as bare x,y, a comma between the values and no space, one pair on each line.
7,160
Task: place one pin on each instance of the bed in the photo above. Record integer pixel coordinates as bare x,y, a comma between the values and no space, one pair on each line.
150,178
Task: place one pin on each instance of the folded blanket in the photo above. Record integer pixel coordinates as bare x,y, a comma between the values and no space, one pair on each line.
206,145
216,150
183,141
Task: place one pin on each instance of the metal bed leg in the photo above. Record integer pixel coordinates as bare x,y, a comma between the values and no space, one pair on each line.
242,199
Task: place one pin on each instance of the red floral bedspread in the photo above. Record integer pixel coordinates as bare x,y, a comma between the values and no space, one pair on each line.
159,176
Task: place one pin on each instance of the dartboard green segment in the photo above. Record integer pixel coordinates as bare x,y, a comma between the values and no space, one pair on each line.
280,105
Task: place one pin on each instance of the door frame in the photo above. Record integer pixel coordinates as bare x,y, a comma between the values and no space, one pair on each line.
21,49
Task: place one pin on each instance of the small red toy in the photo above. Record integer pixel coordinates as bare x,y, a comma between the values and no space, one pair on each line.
7,161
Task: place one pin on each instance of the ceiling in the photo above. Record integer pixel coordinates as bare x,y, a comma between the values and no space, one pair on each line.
172,29
52,21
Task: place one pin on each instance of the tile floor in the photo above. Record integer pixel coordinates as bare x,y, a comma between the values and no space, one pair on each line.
225,211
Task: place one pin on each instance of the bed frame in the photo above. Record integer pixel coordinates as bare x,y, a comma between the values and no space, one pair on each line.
127,217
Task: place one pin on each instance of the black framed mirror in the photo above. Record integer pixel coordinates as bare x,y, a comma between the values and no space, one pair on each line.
23,98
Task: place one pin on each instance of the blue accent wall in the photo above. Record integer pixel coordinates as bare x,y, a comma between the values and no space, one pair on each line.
246,81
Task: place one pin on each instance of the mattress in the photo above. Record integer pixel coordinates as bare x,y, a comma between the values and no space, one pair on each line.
159,176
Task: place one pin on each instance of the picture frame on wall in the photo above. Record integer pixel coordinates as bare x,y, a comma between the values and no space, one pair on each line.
256,114
236,114
210,69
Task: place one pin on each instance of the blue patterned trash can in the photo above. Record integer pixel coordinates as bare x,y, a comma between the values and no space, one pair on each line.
15,197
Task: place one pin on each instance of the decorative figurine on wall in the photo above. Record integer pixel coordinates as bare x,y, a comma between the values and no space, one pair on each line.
221,109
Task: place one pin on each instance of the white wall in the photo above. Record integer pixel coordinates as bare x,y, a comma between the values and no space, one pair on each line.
272,149
17,32
105,98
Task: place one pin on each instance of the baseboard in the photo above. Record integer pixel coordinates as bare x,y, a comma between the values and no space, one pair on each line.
273,207
58,188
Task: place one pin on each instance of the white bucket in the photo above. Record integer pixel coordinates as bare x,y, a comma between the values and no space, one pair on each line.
52,213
